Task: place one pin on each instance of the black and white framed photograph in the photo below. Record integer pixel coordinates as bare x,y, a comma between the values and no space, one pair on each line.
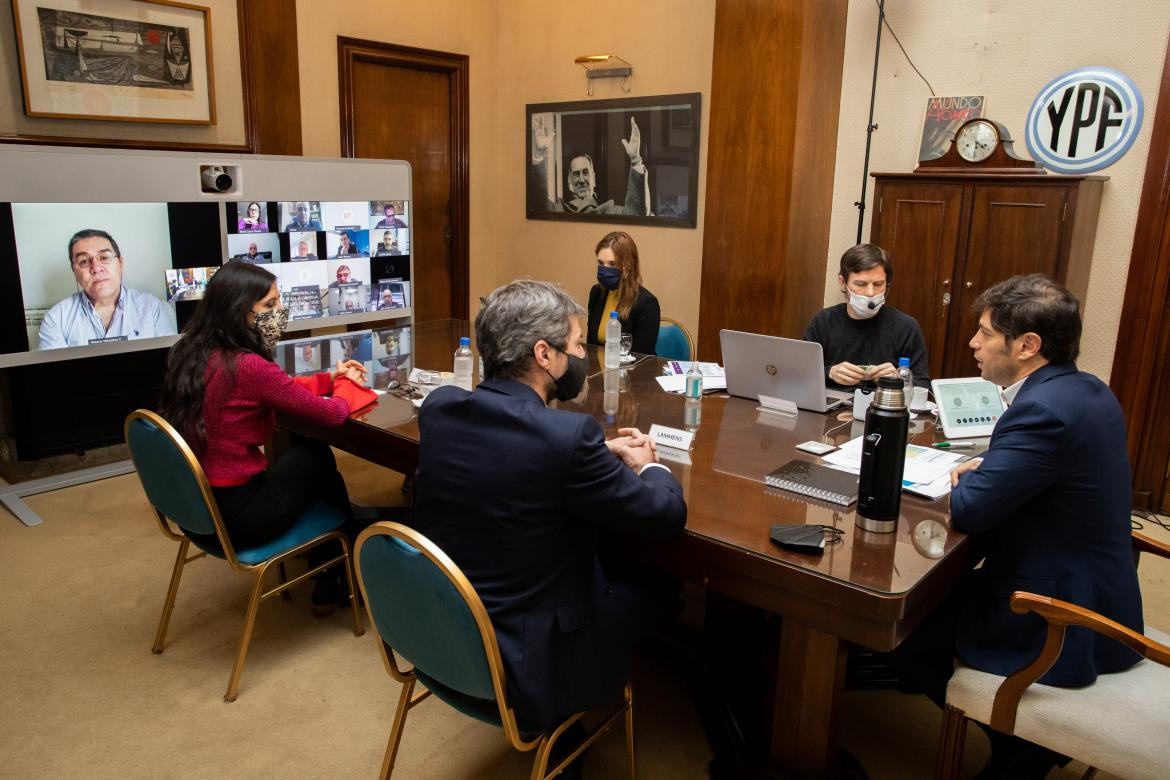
629,160
127,60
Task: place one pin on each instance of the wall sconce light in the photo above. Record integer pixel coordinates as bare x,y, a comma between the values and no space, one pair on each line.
605,66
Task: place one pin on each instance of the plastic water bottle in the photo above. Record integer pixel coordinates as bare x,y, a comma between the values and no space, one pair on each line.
463,364
694,382
692,413
611,400
906,376
613,342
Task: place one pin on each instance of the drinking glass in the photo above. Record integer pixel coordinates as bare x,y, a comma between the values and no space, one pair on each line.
627,343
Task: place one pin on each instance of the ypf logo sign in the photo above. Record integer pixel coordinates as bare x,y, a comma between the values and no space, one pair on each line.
1084,120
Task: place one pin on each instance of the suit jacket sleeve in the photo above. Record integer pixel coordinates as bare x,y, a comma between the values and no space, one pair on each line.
605,491
644,321
636,193
1023,460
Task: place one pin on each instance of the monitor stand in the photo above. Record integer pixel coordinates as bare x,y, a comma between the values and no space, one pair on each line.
12,496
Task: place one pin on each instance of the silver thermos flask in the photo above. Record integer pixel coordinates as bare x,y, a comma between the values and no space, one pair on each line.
883,457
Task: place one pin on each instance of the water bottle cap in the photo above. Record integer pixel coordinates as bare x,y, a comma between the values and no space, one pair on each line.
465,341
613,315
903,362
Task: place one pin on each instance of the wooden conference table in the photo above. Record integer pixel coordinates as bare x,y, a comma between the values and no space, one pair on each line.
871,589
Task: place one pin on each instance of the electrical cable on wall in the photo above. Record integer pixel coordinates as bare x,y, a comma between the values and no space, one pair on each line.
870,126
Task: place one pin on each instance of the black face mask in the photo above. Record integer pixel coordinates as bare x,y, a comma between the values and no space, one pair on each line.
569,384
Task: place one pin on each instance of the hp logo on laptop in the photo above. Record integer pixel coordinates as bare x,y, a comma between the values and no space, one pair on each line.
770,369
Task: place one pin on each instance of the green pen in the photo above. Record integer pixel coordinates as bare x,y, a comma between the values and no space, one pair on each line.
954,445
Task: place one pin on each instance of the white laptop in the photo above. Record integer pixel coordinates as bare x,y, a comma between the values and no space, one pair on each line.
783,368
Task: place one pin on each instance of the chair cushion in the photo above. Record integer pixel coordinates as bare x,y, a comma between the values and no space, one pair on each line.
1117,724
317,519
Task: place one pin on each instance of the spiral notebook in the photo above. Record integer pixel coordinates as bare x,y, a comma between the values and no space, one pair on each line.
814,480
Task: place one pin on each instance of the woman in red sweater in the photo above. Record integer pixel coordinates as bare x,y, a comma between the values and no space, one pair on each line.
222,393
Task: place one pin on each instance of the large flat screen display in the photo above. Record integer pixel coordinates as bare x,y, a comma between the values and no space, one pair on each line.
92,276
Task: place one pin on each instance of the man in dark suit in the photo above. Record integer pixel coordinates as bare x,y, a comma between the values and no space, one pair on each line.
1049,503
517,493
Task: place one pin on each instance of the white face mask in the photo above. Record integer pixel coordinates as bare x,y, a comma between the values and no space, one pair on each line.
865,307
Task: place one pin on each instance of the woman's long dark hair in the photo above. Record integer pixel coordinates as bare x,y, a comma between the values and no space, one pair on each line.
220,324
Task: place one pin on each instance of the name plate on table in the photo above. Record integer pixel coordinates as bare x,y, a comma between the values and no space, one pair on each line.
671,437
674,455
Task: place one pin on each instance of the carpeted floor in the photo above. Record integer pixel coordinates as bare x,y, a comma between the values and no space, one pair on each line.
84,697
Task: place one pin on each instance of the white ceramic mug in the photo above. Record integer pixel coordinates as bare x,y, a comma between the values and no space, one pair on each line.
918,398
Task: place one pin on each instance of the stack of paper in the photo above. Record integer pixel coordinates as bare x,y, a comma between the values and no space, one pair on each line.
927,472
674,378
682,366
676,383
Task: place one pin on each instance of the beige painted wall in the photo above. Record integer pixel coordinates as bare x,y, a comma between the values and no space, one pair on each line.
454,26
669,43
229,94
522,52
1006,51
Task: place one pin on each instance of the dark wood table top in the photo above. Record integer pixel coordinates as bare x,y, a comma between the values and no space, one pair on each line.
871,588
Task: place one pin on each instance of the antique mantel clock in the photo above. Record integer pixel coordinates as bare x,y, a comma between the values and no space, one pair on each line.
980,146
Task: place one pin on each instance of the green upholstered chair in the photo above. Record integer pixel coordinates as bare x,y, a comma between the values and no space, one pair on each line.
179,493
674,342
428,614
1118,724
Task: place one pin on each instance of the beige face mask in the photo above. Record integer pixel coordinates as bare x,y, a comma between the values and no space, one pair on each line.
270,326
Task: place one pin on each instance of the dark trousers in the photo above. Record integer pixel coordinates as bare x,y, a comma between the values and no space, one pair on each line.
269,504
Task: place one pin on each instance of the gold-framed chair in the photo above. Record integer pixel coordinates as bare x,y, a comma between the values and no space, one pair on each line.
179,492
427,612
1117,724
673,338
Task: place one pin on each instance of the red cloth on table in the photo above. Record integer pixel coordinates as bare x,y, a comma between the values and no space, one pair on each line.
239,411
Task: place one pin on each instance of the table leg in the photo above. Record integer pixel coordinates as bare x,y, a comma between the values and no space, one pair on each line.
810,675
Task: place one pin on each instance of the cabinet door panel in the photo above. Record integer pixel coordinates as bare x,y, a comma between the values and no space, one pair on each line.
1014,230
918,225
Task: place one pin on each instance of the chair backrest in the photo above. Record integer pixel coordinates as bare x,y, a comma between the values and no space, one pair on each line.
170,474
674,342
425,609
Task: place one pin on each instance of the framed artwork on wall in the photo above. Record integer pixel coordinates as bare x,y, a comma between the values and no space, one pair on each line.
122,60
630,160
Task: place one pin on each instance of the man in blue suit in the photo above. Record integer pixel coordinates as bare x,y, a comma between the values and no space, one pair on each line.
517,493
1049,505
1051,496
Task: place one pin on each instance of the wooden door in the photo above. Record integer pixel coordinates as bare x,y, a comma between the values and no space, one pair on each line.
919,226
408,104
1015,229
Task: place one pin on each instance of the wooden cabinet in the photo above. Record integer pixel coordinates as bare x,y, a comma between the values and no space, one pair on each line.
951,236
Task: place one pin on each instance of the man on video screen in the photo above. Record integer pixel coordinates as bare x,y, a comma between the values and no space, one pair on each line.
303,252
389,220
344,277
253,255
102,309
301,219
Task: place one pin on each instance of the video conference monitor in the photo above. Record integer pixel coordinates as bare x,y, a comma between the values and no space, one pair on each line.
384,351
88,277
